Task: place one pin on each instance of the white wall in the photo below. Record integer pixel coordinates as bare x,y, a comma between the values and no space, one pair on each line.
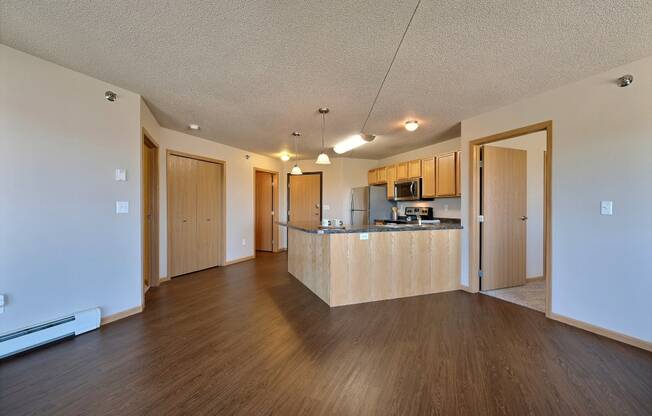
442,207
602,142
338,178
535,145
239,185
62,246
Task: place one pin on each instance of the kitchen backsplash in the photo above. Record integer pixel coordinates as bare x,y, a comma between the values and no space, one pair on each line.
442,207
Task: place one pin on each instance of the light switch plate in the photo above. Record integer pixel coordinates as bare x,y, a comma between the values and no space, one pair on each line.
364,236
121,174
606,208
121,207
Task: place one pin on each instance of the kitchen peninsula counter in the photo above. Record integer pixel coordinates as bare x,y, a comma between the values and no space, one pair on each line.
374,262
317,229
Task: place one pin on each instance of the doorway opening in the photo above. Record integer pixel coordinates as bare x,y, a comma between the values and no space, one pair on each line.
150,205
304,203
510,210
196,213
266,200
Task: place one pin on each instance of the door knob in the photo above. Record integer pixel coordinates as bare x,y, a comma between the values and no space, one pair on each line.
523,218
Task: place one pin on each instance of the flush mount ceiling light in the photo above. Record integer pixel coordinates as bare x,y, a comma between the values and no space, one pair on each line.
285,157
352,142
625,80
411,125
296,170
323,159
362,138
193,126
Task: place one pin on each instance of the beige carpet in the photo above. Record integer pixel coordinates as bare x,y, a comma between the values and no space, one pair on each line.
531,295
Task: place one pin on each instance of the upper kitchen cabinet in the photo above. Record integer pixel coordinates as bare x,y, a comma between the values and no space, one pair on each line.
381,175
458,173
391,178
377,176
428,178
446,174
402,170
414,168
372,176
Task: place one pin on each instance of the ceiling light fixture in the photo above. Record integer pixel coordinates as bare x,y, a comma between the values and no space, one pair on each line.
285,157
296,170
193,126
352,142
110,96
625,80
362,138
323,159
411,125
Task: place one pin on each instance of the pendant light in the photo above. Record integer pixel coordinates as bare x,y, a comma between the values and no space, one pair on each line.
323,159
296,170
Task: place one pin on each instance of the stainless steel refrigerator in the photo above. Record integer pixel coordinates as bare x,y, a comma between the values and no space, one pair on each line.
369,203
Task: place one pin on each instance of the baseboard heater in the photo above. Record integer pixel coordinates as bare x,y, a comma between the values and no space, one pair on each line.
37,335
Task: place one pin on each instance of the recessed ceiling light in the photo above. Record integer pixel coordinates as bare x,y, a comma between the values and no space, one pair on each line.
411,125
193,126
285,157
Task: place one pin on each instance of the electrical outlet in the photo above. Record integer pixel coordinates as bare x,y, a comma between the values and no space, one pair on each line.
244,241
364,236
606,208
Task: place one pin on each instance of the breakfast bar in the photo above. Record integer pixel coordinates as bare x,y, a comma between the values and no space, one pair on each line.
367,263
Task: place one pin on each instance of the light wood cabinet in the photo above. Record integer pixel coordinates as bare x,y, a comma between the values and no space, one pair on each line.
371,176
458,173
414,168
402,170
445,174
428,178
381,175
391,178
440,175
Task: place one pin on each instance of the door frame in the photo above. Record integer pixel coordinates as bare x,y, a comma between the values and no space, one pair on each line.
171,152
474,203
147,140
321,194
275,207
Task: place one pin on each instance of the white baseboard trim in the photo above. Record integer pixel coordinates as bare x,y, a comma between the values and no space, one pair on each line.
120,315
626,339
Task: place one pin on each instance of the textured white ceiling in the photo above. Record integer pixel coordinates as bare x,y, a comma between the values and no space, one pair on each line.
250,72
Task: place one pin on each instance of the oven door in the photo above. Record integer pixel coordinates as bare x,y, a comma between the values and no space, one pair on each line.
407,190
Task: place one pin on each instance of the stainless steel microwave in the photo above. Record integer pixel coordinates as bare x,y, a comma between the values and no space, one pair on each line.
407,190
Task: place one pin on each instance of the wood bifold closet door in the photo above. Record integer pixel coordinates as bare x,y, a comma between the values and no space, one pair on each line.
264,210
504,207
194,195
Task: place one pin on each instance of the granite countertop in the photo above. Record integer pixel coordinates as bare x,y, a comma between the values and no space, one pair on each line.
316,229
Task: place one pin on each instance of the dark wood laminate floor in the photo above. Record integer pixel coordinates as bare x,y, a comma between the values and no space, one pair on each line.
249,339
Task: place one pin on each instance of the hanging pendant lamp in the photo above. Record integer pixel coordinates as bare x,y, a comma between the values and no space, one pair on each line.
296,170
323,159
